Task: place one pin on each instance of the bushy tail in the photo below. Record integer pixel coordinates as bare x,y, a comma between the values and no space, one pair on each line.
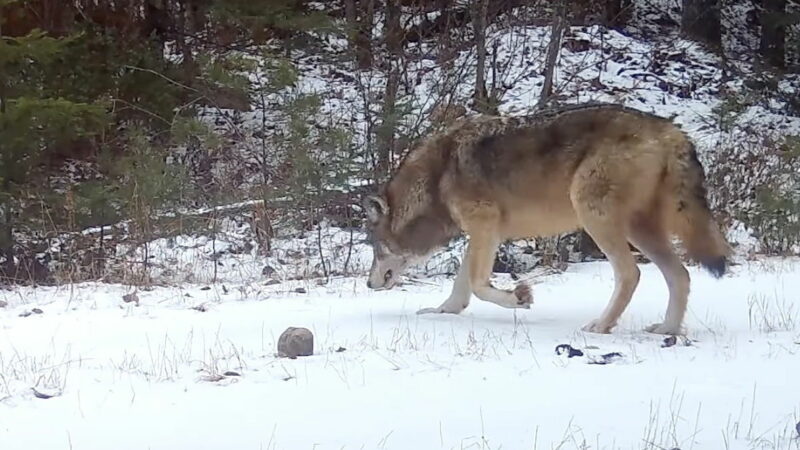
692,219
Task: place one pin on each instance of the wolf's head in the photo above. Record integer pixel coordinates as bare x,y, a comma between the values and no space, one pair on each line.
389,259
408,220
404,237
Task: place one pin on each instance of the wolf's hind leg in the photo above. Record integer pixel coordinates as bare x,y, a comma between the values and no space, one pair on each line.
603,197
650,237
604,227
626,278
459,296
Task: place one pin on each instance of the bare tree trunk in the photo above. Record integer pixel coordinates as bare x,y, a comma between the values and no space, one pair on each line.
6,231
8,268
360,18
494,94
366,18
156,24
617,12
700,20
445,45
553,48
386,133
481,7
351,16
198,12
773,32
393,33
181,18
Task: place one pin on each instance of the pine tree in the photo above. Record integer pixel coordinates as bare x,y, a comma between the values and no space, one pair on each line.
34,120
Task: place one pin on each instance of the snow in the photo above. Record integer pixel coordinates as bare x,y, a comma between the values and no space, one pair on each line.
151,376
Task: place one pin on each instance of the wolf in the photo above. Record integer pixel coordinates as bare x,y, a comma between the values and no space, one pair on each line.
622,175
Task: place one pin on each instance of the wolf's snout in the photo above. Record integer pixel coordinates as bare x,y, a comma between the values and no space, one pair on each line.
385,283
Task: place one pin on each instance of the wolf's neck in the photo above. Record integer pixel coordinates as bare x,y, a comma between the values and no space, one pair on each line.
419,217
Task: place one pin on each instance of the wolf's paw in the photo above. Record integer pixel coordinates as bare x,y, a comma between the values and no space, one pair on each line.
439,310
663,328
524,296
447,307
598,326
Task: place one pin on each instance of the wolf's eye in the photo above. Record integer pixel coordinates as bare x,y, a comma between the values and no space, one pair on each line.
387,276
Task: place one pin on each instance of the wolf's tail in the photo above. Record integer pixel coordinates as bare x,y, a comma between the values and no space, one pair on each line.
692,219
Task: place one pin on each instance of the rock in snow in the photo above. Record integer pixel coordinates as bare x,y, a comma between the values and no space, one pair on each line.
296,342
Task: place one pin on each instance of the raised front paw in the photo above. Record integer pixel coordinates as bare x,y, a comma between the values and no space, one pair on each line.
598,326
663,328
524,296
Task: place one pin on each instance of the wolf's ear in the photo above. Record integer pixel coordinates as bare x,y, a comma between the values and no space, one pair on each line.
376,207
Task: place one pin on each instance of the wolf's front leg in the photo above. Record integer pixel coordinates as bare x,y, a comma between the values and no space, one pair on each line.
482,254
459,296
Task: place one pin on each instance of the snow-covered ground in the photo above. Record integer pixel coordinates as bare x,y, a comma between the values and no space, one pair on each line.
152,376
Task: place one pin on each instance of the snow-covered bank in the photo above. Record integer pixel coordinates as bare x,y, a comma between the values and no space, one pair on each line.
153,376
